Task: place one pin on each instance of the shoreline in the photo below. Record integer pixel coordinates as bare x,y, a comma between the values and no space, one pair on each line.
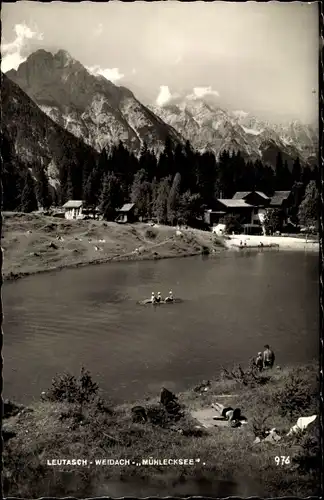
276,242
49,425
119,258
33,244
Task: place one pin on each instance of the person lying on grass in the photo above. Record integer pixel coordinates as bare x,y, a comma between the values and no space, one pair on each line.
234,417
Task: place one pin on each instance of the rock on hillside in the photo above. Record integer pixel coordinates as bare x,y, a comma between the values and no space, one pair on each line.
90,107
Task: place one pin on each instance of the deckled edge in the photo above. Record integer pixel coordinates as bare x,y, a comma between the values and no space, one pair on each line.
321,299
321,228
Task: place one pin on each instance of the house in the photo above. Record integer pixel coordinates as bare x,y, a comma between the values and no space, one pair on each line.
255,198
73,209
126,214
281,199
224,206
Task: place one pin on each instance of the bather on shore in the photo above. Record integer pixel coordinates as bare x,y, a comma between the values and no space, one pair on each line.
268,357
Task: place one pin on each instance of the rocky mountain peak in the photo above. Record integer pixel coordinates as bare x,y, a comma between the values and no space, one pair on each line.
87,105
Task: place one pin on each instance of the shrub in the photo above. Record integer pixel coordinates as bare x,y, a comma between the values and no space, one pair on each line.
67,388
308,458
298,394
249,377
151,234
205,250
233,223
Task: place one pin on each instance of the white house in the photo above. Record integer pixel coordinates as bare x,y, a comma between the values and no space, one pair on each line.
73,209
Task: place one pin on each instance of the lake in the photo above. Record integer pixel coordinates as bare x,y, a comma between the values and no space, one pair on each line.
233,304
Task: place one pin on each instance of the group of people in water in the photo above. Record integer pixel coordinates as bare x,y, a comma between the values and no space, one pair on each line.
157,299
266,359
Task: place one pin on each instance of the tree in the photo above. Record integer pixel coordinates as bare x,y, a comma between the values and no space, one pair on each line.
160,205
296,170
189,207
111,197
11,177
206,177
283,175
42,189
147,162
272,220
28,196
174,200
141,194
232,223
309,208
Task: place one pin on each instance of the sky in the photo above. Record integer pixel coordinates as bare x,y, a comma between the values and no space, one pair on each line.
261,58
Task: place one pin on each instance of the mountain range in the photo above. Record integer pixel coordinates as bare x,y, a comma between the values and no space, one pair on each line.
68,103
90,107
207,126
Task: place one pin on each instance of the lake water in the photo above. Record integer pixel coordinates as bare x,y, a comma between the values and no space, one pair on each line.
232,305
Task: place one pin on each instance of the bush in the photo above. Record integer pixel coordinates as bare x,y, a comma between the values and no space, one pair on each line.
205,250
299,394
233,223
151,234
308,458
67,388
248,377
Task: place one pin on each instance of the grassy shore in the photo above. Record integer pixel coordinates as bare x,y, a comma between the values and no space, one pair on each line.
34,243
74,422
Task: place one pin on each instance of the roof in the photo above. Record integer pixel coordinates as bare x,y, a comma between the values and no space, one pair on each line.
279,197
127,207
239,195
235,203
73,204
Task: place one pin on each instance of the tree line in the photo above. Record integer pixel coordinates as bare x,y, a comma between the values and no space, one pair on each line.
174,187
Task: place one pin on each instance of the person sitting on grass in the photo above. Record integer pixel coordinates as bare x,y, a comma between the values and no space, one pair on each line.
259,362
268,357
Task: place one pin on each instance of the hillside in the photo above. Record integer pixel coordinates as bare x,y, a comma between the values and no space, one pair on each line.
181,449
34,243
90,107
36,140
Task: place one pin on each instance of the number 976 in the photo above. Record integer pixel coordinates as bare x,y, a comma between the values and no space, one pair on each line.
282,460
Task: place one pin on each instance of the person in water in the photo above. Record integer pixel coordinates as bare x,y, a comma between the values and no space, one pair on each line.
170,297
153,298
268,357
159,298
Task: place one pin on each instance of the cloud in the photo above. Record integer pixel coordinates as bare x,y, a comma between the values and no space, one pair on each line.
14,53
202,91
164,95
111,74
240,113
